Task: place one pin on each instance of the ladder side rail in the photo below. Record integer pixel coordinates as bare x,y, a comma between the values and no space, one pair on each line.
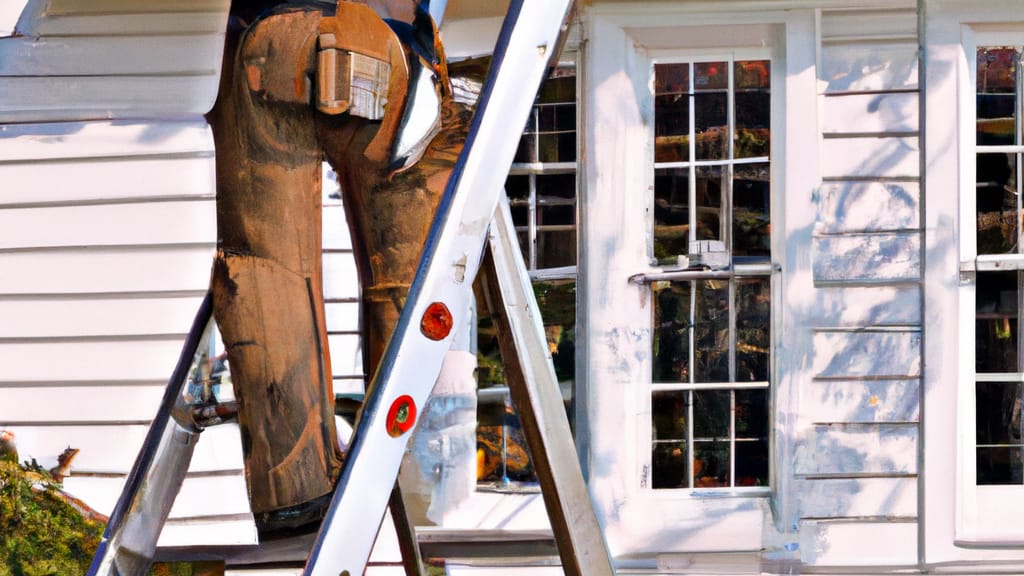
535,392
451,257
129,540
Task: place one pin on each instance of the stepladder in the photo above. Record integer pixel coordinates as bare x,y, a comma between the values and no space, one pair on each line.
471,235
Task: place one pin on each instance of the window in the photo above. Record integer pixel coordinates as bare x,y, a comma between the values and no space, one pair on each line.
991,457
998,444
541,188
711,309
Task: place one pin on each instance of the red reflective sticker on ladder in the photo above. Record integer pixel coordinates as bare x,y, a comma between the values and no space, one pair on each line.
401,416
437,321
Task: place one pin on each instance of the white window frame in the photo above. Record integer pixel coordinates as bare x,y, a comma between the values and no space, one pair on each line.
961,522
617,182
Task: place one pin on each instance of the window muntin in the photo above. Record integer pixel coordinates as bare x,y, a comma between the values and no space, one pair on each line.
711,328
998,443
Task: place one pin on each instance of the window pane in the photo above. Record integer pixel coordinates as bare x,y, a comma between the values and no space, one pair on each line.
527,151
670,461
999,466
711,332
671,113
710,464
753,109
998,406
751,205
996,100
711,125
557,303
996,312
753,325
997,199
709,202
751,437
711,413
669,411
556,248
710,76
671,213
671,332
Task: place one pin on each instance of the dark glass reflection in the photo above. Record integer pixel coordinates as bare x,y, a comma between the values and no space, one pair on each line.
997,103
997,203
671,332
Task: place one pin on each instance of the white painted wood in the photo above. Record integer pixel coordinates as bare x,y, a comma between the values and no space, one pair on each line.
177,55
215,495
68,7
153,23
106,270
97,140
872,257
860,306
129,179
869,66
128,403
858,498
89,361
884,23
857,449
860,401
54,99
111,449
208,532
867,113
151,224
866,544
895,157
70,316
342,316
867,354
868,206
340,276
346,354
335,228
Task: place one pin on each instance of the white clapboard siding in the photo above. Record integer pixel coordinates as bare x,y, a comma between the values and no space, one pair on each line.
139,178
869,66
859,306
76,60
866,113
871,157
109,450
858,450
98,140
862,401
70,316
107,270
856,457
872,258
868,206
113,360
876,354
858,498
136,224
881,543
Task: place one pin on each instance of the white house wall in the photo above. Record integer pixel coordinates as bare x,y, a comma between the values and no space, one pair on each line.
107,231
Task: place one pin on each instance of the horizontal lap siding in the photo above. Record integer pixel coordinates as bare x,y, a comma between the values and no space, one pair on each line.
107,233
855,459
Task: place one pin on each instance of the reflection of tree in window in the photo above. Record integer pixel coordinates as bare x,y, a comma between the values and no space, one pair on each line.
711,335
